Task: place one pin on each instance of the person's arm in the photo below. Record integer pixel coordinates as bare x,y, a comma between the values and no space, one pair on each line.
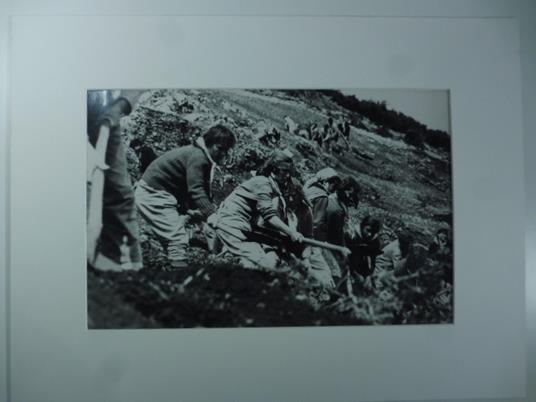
266,208
196,177
96,155
386,261
277,223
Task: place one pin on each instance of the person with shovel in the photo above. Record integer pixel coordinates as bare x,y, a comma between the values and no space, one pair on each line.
113,233
260,197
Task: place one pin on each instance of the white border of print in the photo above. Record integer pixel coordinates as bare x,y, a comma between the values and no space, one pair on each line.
113,361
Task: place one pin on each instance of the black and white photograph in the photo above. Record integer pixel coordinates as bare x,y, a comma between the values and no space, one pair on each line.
268,208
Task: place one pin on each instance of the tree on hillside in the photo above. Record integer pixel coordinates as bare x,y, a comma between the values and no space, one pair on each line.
379,113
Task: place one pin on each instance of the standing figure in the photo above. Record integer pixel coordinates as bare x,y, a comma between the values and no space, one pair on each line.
177,187
346,130
440,249
113,233
314,134
290,125
331,135
330,197
317,191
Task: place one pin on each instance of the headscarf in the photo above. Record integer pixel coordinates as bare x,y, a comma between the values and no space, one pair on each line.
200,142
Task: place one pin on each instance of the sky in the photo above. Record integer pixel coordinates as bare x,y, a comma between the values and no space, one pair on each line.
428,106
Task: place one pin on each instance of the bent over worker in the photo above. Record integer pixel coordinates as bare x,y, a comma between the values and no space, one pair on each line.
178,181
259,197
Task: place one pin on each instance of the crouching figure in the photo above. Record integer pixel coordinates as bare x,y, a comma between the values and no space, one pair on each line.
177,184
260,197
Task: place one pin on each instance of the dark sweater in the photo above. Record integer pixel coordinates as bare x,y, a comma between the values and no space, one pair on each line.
328,220
184,173
364,252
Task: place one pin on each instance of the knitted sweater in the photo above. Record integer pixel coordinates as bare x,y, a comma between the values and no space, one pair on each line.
184,173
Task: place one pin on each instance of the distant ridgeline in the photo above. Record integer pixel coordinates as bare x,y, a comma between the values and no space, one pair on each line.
415,133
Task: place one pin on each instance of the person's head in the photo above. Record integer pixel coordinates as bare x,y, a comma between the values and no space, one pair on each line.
348,191
443,234
443,237
136,144
370,227
219,140
280,166
330,179
294,195
121,106
333,184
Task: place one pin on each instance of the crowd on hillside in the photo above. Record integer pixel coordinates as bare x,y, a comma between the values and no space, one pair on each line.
329,136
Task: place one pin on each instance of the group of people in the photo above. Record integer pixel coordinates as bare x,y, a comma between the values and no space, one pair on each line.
268,216
176,190
328,136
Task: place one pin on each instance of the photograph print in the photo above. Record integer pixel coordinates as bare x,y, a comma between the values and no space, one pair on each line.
268,208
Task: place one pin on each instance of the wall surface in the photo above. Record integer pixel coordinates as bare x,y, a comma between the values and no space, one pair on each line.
524,11
4,24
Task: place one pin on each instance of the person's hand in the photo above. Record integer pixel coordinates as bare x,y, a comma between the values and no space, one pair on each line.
94,161
369,283
194,216
345,251
296,236
194,213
